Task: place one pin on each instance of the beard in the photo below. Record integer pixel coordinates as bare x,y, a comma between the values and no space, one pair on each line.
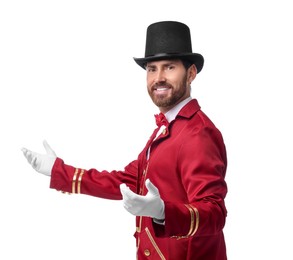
173,98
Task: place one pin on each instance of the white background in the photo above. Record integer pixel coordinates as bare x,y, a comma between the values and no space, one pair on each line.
67,75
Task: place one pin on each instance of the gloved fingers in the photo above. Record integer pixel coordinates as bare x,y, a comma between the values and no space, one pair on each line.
131,200
127,194
124,191
48,148
123,188
28,155
42,163
31,157
151,188
25,152
34,162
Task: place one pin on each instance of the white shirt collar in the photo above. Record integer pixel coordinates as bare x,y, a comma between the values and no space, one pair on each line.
171,114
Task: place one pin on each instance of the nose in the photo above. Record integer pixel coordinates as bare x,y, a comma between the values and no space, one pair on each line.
160,77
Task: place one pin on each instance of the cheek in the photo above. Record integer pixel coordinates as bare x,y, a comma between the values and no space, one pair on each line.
149,82
149,87
175,79
149,79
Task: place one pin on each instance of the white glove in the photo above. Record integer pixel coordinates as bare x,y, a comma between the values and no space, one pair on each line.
150,205
42,163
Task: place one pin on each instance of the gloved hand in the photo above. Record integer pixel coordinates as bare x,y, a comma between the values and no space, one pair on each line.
150,205
42,163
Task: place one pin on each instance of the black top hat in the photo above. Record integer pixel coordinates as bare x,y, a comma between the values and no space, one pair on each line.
169,40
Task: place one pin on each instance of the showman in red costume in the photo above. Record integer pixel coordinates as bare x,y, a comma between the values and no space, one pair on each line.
176,187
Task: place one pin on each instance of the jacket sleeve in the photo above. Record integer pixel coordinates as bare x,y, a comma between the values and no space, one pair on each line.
202,166
102,184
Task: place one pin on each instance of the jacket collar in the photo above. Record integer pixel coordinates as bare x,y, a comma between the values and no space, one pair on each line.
186,108
171,114
189,109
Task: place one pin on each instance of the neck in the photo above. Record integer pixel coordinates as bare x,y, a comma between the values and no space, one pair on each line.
172,113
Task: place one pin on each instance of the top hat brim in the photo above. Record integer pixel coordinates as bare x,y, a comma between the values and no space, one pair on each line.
195,58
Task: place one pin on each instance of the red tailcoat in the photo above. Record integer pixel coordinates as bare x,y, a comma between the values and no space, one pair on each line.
187,164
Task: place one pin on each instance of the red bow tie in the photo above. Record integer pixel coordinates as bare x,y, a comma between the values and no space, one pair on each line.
161,120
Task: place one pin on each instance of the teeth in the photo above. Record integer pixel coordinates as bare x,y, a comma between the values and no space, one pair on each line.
161,89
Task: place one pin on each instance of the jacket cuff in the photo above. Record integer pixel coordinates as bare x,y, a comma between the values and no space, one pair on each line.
181,221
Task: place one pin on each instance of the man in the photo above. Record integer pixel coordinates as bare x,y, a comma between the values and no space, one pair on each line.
176,186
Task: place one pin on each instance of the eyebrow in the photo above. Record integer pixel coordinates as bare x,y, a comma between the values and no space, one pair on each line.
167,63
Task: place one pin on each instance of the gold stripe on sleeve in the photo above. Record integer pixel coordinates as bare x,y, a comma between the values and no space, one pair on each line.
74,180
79,181
191,220
196,220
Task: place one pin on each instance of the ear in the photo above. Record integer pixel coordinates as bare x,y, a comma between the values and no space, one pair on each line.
192,72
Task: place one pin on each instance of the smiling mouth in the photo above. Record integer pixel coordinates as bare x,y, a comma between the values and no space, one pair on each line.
161,88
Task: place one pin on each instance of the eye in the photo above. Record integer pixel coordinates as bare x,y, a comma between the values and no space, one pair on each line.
171,67
150,69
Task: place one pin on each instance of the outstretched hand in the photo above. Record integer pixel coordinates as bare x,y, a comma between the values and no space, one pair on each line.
150,205
42,163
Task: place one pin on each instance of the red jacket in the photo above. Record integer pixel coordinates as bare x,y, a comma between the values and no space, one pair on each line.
187,164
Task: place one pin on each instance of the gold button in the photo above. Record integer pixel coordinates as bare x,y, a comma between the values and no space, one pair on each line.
164,131
147,252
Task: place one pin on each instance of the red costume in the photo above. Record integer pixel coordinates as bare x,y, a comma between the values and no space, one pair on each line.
187,164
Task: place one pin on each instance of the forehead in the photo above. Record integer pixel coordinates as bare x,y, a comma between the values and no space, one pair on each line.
164,62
